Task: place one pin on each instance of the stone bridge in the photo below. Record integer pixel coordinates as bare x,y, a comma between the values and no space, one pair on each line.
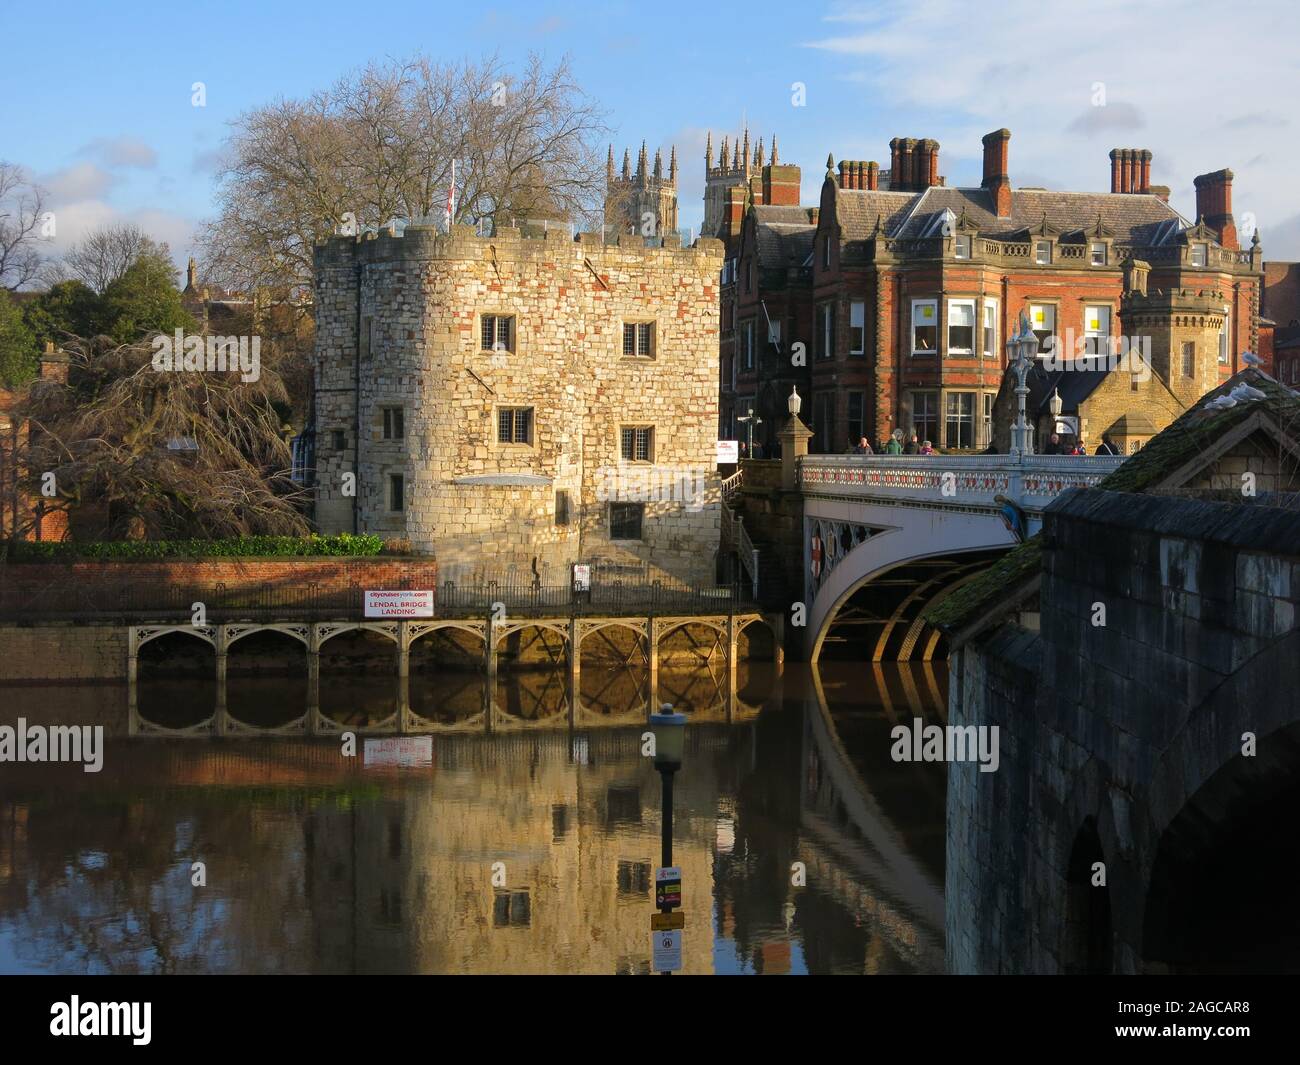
909,530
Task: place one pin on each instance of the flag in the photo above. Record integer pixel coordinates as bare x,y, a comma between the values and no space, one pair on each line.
451,196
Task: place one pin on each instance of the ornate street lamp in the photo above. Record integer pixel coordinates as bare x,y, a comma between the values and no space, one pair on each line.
1022,349
751,419
794,402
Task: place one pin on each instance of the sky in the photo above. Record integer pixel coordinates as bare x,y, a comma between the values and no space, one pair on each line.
98,106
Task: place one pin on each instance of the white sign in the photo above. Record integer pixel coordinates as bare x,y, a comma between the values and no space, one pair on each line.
1067,425
728,451
414,751
581,578
399,604
667,950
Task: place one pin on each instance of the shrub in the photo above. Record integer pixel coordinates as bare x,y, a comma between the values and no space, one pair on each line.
345,544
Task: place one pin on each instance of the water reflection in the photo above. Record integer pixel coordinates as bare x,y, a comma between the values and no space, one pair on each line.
319,863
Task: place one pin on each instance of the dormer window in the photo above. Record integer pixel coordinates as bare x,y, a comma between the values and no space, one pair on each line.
1097,253
961,247
1200,254
1042,252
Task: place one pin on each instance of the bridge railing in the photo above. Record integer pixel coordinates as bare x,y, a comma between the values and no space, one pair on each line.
137,601
953,480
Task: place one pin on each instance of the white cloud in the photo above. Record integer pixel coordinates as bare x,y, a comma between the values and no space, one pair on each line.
77,182
121,152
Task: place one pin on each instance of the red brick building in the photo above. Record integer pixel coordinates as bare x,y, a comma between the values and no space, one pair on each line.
902,290
18,511
1279,342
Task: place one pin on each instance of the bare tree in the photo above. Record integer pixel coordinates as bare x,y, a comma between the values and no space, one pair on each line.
104,254
21,215
135,451
377,148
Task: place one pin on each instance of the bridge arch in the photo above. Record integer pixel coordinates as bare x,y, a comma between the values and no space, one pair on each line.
919,536
1211,809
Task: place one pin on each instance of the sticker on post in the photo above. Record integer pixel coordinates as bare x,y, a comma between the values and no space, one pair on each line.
667,950
668,887
664,922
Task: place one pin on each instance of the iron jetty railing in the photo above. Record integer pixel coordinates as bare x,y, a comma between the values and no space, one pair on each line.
151,600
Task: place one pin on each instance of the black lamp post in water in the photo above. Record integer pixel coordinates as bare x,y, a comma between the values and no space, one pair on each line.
669,731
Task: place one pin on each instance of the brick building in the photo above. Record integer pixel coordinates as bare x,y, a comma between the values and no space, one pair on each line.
1279,343
22,514
506,402
902,290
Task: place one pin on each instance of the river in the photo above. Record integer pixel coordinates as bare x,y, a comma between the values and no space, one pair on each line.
520,841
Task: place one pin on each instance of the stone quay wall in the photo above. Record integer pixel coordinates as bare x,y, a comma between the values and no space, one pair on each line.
1109,731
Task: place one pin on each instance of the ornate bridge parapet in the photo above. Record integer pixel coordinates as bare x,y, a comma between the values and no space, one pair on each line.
1032,481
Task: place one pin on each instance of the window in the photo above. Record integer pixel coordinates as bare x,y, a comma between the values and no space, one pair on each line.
339,440
749,275
367,334
394,423
1189,358
959,419
634,878
1200,254
625,520
396,492
961,327
1133,382
1096,330
562,508
925,416
857,404
857,327
747,345
1224,334
1134,446
498,332
511,908
925,327
1042,319
638,339
1097,253
961,247
774,333
515,425
825,330
824,422
826,253
991,329
987,428
636,443
1042,252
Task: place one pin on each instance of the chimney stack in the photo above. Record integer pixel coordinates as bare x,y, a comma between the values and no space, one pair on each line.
1214,206
997,180
873,176
1130,170
907,162
895,163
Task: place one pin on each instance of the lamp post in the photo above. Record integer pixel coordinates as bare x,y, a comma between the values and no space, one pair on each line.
669,731
1021,351
750,420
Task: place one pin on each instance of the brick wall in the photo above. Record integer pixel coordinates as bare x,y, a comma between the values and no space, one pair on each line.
328,574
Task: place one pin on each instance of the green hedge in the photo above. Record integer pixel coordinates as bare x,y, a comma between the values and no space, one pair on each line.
238,547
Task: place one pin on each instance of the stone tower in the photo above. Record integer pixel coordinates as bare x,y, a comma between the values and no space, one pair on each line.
1182,327
644,202
743,176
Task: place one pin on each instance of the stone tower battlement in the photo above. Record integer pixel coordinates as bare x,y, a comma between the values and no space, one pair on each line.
520,402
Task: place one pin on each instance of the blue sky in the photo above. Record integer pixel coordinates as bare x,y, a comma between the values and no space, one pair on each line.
98,105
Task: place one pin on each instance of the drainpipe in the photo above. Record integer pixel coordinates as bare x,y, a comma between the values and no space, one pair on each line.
356,414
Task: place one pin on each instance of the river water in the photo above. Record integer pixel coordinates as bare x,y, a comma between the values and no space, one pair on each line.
523,840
